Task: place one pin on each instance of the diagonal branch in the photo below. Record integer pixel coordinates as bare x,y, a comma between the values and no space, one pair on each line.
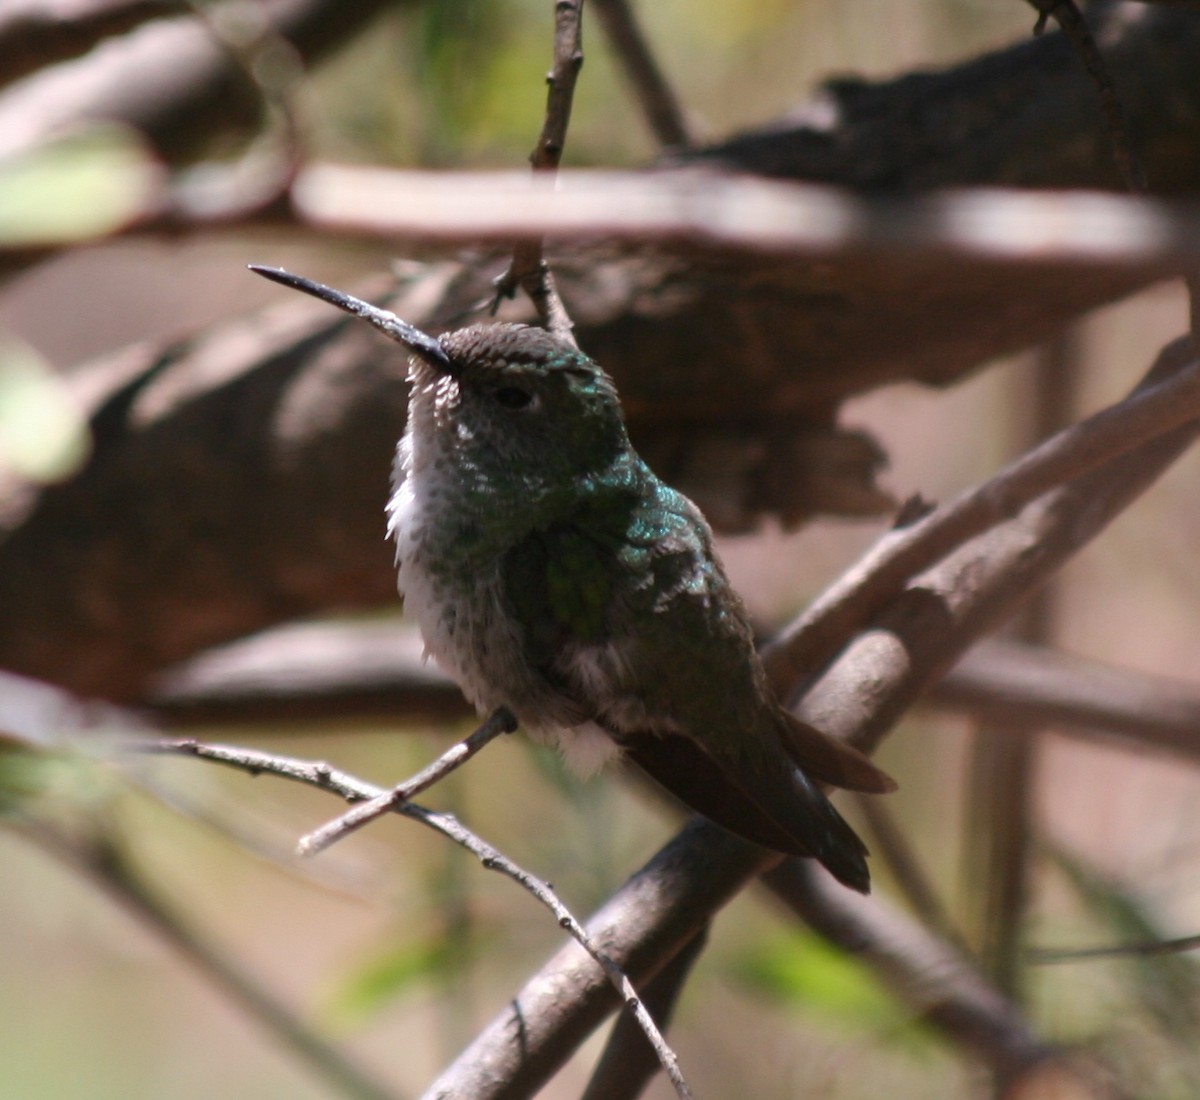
1169,397
628,1062
1068,16
876,678
658,101
501,722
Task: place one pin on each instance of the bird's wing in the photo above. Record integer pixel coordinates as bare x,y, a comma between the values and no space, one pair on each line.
671,673
829,760
761,799
559,583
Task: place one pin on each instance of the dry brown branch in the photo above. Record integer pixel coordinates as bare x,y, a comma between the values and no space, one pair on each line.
1075,695
1068,16
309,672
1170,396
528,268
321,775
875,680
958,126
35,34
911,641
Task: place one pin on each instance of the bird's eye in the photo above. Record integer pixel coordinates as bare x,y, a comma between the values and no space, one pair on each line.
513,397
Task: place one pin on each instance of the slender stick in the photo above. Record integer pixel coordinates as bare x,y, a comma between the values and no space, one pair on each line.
1002,846
626,1065
501,722
1147,949
528,268
320,774
906,868
1068,16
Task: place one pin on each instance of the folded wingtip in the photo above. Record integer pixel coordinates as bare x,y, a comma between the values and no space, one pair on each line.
828,760
777,807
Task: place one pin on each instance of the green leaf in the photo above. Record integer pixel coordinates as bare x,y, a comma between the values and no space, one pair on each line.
393,973
82,185
804,970
43,436
23,776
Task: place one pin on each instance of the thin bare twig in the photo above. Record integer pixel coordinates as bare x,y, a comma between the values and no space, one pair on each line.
501,722
1068,16
628,1063
322,775
658,101
1148,949
528,268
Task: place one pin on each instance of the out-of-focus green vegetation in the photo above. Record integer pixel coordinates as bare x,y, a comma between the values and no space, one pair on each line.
460,83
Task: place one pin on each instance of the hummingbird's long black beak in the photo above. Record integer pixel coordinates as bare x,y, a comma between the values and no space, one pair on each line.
418,342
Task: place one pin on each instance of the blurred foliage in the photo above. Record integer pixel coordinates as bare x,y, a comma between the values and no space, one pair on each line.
81,185
461,83
23,777
382,978
1152,1000
43,436
800,969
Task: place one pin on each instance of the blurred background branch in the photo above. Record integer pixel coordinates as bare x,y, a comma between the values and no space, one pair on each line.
766,277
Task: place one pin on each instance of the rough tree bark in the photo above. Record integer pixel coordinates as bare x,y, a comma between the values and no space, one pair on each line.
237,479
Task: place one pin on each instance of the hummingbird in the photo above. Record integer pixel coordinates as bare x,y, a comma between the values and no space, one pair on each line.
551,572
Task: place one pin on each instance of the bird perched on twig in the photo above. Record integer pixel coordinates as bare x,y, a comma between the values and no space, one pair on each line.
554,574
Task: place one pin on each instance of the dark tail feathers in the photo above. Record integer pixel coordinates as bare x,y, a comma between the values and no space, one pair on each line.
762,799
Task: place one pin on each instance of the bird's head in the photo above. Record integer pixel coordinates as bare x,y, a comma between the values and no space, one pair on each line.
501,399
